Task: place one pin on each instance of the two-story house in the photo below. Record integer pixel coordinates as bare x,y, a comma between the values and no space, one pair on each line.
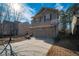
45,23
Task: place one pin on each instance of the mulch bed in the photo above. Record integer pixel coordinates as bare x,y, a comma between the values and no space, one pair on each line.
65,45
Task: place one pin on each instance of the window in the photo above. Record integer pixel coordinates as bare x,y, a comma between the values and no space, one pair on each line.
50,16
40,19
77,17
47,16
77,27
44,18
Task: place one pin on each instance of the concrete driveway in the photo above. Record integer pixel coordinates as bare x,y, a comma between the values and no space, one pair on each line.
32,47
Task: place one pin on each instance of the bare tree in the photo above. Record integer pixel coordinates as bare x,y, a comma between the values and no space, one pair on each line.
11,16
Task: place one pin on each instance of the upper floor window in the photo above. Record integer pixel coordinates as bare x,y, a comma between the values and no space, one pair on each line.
40,19
50,16
44,18
47,16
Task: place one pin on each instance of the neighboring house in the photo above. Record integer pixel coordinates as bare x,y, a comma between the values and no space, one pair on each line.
9,28
45,23
14,28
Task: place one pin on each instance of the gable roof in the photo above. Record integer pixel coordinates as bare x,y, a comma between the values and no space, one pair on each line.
45,8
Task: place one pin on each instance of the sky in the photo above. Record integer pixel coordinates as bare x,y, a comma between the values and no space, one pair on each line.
28,10
33,8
